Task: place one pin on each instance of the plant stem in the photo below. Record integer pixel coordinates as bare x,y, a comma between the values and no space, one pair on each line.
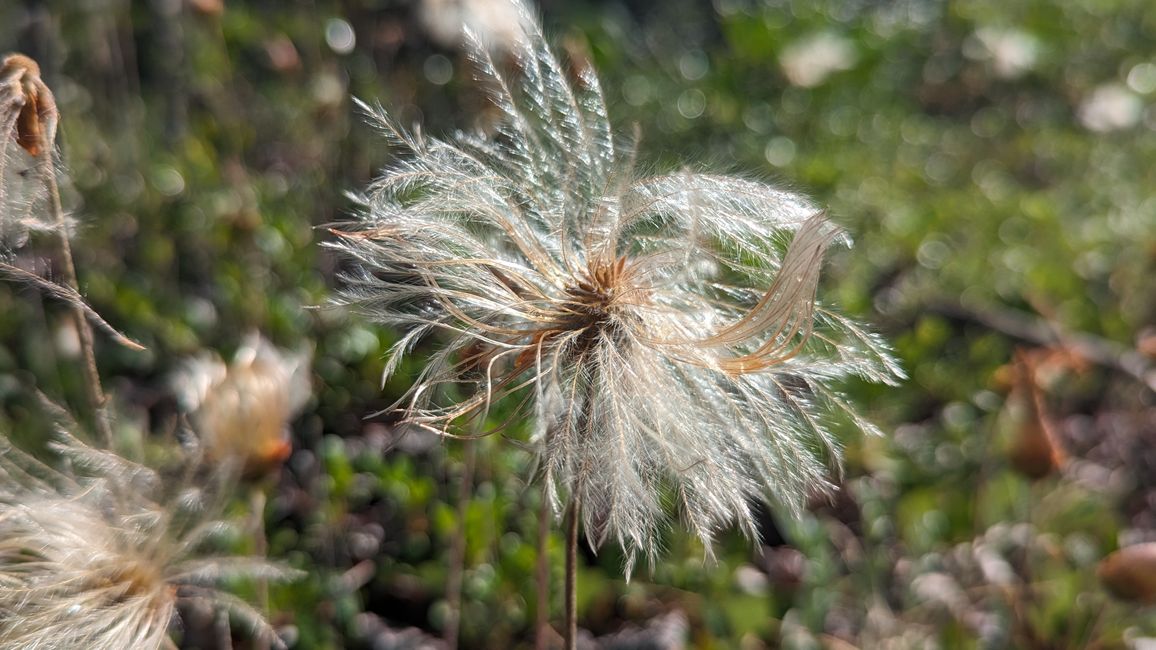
257,500
542,576
84,330
572,573
1094,626
1039,331
458,550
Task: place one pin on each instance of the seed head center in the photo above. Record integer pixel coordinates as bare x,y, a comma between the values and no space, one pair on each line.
591,299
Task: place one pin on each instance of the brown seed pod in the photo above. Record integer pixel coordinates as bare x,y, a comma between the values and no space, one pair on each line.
1035,449
1130,573
38,116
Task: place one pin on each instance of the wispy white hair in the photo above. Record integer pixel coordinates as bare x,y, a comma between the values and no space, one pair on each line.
662,330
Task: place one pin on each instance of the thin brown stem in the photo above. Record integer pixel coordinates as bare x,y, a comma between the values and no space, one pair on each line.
458,551
92,383
542,631
572,573
1027,327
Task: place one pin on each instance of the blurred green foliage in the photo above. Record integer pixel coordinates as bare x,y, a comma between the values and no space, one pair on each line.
994,161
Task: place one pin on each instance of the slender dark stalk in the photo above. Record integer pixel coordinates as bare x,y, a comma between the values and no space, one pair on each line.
542,631
92,384
458,551
572,574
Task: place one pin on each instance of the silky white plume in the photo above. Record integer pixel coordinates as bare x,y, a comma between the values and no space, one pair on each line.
662,331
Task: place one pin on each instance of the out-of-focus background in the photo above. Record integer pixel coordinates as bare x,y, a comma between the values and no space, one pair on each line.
994,161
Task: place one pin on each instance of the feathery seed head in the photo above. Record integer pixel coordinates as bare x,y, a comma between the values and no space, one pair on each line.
98,555
662,330
242,410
